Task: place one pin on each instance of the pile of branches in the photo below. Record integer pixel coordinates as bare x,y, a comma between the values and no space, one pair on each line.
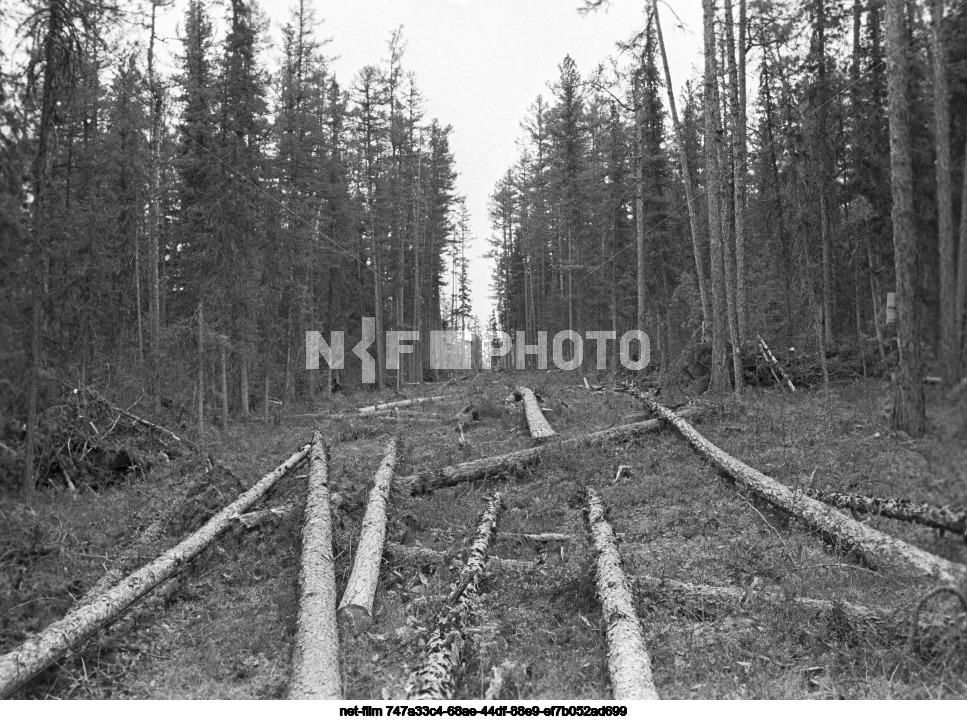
84,442
691,369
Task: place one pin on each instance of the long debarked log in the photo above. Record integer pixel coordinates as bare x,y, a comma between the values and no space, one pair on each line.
901,509
628,661
315,656
357,601
370,410
37,652
436,678
870,543
536,422
515,462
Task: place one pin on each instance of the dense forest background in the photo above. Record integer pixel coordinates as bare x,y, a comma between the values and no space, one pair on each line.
176,230
761,200
169,233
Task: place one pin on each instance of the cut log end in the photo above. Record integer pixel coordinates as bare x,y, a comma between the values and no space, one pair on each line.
355,619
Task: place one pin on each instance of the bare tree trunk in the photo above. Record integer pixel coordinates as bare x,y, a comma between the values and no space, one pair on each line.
37,652
961,314
713,141
243,382
137,292
739,159
357,601
949,345
154,219
224,373
201,373
315,655
700,271
875,293
642,288
909,410
628,662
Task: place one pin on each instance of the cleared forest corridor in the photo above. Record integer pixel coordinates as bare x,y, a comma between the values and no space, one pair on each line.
727,595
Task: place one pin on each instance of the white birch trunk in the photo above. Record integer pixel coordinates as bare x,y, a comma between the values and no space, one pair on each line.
870,543
37,652
315,658
436,678
536,422
357,601
628,661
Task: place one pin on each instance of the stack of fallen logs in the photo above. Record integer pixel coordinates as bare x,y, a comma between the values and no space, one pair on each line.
316,658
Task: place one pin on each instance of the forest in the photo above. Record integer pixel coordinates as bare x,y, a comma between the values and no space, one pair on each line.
783,194
767,501
179,229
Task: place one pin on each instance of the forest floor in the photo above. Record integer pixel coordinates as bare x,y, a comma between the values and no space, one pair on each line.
227,630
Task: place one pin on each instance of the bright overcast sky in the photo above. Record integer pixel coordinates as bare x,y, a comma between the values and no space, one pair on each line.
481,63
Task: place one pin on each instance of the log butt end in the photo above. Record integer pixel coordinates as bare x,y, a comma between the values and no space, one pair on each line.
355,619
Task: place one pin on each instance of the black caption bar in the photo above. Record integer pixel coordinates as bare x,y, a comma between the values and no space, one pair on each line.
486,710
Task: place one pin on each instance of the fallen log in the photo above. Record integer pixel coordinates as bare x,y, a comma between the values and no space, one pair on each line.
357,601
436,678
945,518
869,543
536,422
37,652
315,656
515,462
628,661
887,619
421,556
537,537
371,410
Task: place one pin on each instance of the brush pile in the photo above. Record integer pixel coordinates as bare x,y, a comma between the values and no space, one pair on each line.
84,442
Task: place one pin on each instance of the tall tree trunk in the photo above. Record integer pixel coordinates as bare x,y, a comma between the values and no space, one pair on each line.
693,220
909,411
224,373
739,159
201,373
713,141
154,219
961,314
949,350
728,171
640,204
243,383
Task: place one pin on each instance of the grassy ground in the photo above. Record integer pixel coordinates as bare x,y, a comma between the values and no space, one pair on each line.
226,631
